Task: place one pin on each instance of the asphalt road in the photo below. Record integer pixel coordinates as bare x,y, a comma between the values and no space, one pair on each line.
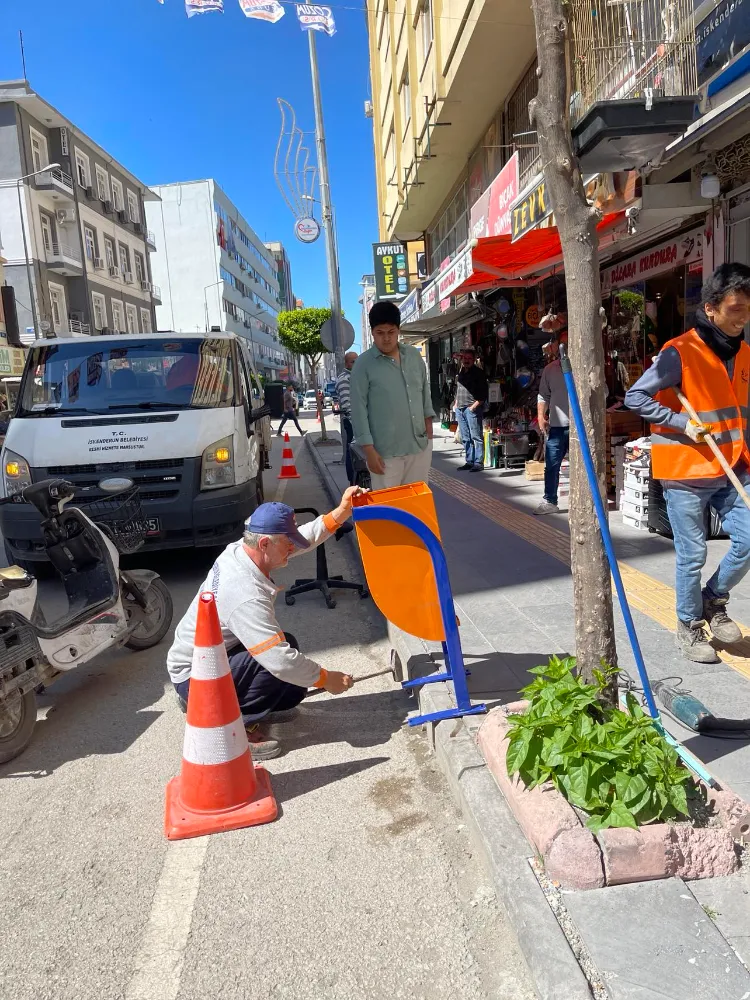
365,887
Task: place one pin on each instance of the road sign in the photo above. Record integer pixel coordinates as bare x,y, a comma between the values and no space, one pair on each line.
347,334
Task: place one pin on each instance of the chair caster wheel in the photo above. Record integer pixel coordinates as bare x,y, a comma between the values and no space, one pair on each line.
330,603
290,600
363,594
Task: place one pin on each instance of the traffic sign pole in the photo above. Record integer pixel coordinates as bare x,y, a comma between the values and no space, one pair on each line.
334,289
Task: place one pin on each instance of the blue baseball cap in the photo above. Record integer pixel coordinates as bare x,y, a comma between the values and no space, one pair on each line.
276,519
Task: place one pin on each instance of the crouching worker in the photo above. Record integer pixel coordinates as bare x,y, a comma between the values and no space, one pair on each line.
271,675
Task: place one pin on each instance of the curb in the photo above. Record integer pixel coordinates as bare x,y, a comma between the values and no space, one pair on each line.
496,835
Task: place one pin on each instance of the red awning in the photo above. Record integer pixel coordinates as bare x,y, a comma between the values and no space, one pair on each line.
496,261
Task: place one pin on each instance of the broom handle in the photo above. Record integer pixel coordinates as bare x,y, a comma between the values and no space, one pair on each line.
731,475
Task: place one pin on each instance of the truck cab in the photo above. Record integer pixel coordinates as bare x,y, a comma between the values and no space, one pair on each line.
181,414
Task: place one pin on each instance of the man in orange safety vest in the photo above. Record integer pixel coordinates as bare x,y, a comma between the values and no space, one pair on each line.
711,364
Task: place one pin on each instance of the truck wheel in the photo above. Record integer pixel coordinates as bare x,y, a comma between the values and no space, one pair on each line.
154,622
260,493
16,727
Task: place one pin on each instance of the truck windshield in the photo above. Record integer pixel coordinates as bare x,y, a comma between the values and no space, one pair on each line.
90,376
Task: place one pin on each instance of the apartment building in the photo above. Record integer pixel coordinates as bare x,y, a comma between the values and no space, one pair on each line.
214,269
72,224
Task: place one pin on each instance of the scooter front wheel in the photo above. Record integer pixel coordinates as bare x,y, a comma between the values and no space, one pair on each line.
16,727
154,620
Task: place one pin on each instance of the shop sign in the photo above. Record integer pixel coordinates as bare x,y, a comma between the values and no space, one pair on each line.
490,213
429,297
721,36
455,273
533,317
12,360
527,213
64,141
685,249
391,270
410,307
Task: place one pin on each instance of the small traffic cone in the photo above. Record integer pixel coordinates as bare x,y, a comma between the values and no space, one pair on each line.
219,787
288,468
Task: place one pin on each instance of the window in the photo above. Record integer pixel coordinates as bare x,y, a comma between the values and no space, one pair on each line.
133,207
140,267
83,170
118,316
47,231
117,199
90,241
146,321
124,258
131,318
102,184
109,252
405,101
39,155
390,154
57,307
426,27
100,310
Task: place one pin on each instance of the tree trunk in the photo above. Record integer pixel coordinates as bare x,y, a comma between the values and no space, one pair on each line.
576,221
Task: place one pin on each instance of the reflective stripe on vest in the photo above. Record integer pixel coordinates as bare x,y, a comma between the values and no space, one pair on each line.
717,401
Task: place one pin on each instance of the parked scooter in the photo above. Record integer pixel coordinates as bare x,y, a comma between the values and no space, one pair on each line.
107,606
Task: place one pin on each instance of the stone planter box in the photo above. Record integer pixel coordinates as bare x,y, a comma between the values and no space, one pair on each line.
575,858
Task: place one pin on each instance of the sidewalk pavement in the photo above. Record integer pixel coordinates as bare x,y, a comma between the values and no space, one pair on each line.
510,573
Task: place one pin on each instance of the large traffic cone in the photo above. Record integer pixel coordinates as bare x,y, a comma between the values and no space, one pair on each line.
288,468
219,787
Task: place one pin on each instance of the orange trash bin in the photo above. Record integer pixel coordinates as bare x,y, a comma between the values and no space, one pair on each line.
398,567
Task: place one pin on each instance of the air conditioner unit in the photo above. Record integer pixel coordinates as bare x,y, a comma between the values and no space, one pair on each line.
368,109
122,215
99,263
108,207
90,193
114,272
242,267
145,286
104,330
64,215
137,226
127,277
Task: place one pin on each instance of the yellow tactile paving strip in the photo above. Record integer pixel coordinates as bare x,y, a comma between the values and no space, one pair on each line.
645,594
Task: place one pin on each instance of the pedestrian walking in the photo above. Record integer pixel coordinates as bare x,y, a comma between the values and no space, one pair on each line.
270,674
711,363
554,423
470,403
343,389
290,410
392,410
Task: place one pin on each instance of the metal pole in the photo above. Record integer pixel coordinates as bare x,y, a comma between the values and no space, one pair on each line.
34,317
334,290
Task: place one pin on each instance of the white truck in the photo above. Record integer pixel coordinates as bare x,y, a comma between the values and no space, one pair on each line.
181,414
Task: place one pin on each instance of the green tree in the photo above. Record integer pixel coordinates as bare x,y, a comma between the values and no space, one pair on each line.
299,332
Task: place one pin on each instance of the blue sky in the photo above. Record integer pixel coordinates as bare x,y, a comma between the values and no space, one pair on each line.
177,99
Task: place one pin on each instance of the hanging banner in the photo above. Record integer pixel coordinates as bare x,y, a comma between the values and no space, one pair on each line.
262,10
490,213
315,18
203,6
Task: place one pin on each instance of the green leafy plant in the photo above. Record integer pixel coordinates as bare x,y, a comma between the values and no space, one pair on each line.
613,764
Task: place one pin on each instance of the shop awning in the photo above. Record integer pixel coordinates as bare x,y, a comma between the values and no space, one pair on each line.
495,261
452,319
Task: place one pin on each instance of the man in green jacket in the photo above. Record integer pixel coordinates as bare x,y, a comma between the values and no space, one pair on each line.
392,410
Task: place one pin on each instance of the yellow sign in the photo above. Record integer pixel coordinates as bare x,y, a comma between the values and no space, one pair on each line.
527,213
532,316
12,360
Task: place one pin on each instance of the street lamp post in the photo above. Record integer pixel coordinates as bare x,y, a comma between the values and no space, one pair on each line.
205,302
334,288
18,182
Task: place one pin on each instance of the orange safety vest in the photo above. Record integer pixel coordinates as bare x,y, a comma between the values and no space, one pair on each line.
719,402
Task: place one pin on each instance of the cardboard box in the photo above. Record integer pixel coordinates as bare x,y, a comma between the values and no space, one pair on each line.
641,524
534,471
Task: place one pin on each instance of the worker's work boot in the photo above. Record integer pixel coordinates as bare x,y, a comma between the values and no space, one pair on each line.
262,746
721,625
692,638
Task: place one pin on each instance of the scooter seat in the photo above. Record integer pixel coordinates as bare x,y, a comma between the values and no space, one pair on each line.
15,578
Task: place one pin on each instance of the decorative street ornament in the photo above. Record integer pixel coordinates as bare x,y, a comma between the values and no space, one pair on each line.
262,10
296,178
315,18
307,230
193,7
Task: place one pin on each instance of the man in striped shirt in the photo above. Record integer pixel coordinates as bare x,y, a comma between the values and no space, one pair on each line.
343,388
271,675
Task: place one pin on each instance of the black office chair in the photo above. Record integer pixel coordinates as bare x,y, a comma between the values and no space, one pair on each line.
323,582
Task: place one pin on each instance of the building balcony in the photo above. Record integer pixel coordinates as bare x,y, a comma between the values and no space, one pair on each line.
77,328
156,294
150,240
57,183
62,258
